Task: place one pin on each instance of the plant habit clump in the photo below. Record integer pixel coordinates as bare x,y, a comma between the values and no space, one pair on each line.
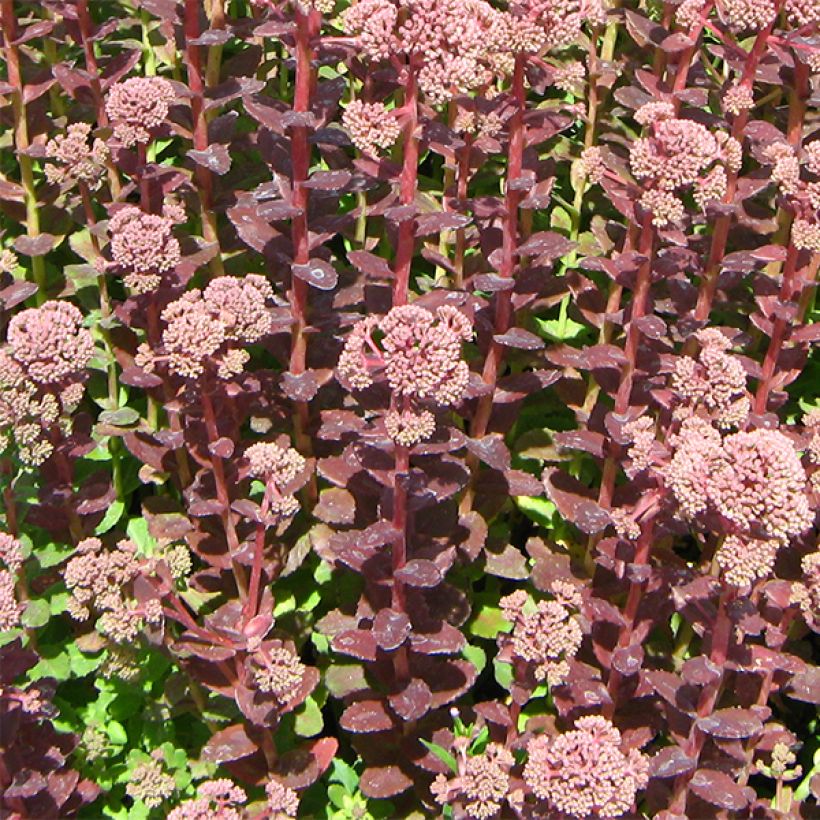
409,408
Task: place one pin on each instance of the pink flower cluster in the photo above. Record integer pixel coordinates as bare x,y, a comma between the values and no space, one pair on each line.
51,344
278,467
283,802
752,481
795,175
99,580
150,783
458,46
143,247
482,784
217,800
203,328
137,107
714,385
419,353
585,772
372,127
807,593
74,161
10,609
42,372
546,635
676,155
277,671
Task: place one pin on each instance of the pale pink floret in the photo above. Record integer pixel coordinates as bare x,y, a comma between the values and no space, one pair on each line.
744,560
74,160
11,552
50,342
192,336
143,247
10,609
407,428
137,107
216,801
758,481
716,382
242,305
747,15
283,802
803,12
372,127
420,353
481,786
585,772
269,461
546,634
675,155
278,672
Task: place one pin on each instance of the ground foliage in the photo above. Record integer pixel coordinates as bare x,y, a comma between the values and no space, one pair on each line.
409,408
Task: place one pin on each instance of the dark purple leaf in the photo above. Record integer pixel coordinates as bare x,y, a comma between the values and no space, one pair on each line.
671,762
413,702
38,245
232,743
358,643
381,782
731,724
546,244
520,339
215,158
419,572
390,629
366,716
491,450
318,273
435,223
720,790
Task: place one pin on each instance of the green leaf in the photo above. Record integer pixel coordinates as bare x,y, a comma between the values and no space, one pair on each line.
345,774
476,655
560,330
111,517
58,602
503,673
488,622
309,721
116,732
540,510
442,754
53,554
57,667
137,530
336,794
36,614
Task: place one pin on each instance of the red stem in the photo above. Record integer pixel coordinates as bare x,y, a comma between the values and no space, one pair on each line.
778,336
306,26
86,25
223,496
503,299
406,241
399,550
252,604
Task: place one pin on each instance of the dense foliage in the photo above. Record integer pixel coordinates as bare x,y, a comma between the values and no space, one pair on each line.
409,408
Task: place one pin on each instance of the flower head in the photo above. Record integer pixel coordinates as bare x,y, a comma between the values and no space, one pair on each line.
217,800
143,247
283,802
482,784
242,306
50,343
11,553
277,671
137,107
546,634
10,609
150,783
74,161
372,127
585,772
420,354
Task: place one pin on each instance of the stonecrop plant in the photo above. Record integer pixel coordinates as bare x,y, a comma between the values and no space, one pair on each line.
409,408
